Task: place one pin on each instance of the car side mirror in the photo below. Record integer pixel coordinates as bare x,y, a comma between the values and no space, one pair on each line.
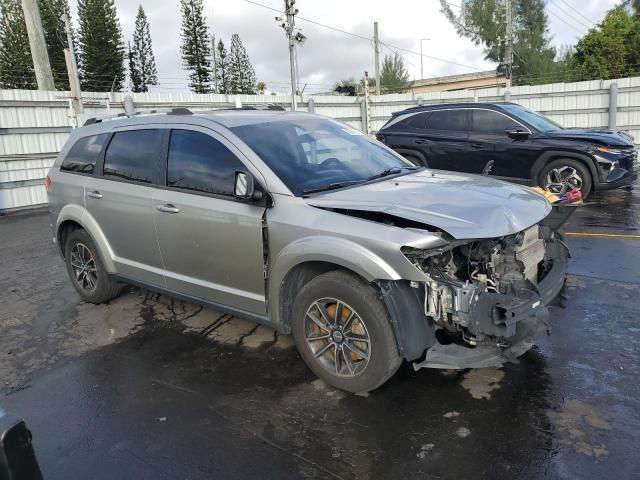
244,187
517,133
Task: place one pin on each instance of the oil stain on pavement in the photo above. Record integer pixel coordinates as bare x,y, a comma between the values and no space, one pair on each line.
149,387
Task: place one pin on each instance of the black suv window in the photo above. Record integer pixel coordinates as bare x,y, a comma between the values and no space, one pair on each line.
418,121
83,155
487,121
455,120
201,163
133,155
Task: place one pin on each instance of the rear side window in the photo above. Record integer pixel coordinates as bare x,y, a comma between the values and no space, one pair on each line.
417,121
200,163
454,120
487,121
84,154
133,155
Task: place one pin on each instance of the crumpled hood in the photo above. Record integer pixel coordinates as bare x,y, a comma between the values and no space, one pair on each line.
592,135
464,206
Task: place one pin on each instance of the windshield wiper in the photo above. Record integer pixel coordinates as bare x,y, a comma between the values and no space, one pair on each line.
331,186
389,171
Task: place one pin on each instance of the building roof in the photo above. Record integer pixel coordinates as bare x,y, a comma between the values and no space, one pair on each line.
457,78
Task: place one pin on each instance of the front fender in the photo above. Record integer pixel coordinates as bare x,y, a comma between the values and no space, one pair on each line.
345,253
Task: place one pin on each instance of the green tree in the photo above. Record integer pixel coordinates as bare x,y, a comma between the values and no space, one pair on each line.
484,23
142,62
346,86
196,52
16,65
242,78
222,68
261,87
610,50
101,48
56,38
394,76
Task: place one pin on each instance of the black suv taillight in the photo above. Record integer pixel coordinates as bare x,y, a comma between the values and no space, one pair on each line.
47,183
379,137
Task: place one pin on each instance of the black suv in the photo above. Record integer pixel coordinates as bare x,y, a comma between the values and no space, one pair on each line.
510,142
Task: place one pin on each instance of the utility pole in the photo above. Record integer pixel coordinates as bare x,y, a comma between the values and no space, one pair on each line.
367,103
422,58
509,49
376,45
72,70
37,44
215,73
291,13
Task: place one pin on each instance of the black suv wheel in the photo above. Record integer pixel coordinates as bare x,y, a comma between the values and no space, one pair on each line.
86,270
563,175
343,332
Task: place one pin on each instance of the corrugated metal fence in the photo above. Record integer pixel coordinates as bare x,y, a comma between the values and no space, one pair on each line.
34,125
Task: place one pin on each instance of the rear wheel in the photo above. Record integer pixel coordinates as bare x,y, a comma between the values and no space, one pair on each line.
343,332
415,160
563,175
86,270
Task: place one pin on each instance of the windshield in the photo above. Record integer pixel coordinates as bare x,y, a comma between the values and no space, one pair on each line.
537,121
316,154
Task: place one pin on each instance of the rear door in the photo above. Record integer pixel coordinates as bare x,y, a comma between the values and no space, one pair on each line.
211,243
443,142
513,158
119,198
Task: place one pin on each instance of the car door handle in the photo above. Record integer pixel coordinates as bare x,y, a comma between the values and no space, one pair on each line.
168,208
421,141
477,146
95,194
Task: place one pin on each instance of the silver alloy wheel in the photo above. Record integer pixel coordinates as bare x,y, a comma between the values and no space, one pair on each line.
563,179
337,337
84,267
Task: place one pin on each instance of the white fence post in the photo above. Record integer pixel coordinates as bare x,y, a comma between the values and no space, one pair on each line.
613,105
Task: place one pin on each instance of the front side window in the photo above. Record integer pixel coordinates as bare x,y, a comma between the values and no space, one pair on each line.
453,120
537,121
487,121
133,155
311,154
200,163
82,157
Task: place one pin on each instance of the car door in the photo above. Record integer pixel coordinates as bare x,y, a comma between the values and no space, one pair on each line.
119,199
443,142
211,242
512,157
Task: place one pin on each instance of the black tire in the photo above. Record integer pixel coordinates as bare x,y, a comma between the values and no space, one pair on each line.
567,163
104,288
365,301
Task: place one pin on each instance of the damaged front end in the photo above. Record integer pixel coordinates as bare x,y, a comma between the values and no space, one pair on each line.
485,300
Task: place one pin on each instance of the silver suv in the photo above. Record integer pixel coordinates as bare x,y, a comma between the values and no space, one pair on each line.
304,224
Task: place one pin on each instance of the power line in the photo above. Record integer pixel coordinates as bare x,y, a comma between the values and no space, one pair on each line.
578,12
363,37
577,20
565,22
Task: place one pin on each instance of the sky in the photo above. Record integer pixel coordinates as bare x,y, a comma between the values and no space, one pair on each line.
328,55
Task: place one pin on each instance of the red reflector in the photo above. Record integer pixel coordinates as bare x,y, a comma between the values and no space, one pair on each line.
47,183
573,195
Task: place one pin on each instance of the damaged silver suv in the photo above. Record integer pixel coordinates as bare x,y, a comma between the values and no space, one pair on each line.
302,223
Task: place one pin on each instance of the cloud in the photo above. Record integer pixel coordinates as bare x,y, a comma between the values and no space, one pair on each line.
328,56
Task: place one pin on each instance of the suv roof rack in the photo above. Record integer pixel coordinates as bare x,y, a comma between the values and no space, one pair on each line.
155,111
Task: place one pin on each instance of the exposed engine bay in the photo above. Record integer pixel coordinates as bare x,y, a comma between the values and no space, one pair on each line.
476,290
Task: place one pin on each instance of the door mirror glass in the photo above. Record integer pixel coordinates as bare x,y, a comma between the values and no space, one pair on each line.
244,187
517,133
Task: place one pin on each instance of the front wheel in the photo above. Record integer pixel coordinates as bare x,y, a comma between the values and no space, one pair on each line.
563,175
343,332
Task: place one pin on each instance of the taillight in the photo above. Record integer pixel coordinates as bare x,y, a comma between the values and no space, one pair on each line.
379,137
47,183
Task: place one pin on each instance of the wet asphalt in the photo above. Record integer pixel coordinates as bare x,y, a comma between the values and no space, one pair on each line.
149,388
